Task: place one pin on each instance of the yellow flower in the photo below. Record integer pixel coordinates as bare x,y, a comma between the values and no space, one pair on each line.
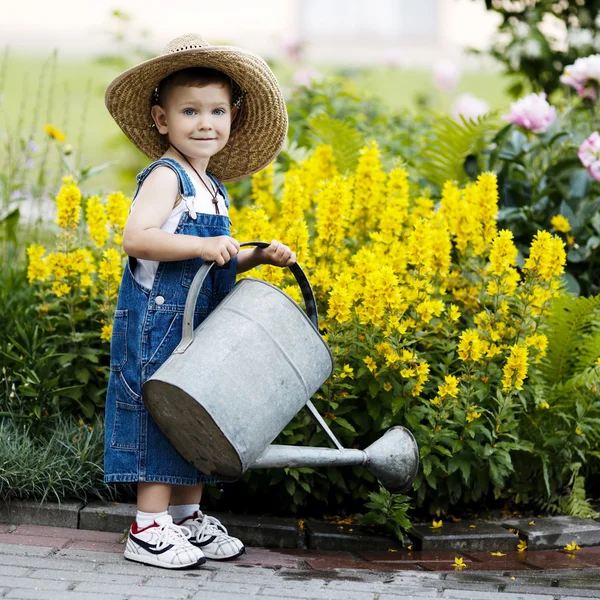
371,364
522,546
597,363
515,369
459,563
68,206
97,220
37,269
497,554
547,256
544,404
572,547
472,414
503,254
117,210
436,401
578,431
449,388
55,133
454,313
436,524
387,386
347,371
560,223
59,288
471,347
106,333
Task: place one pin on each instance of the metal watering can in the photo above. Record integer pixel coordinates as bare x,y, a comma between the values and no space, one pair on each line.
242,376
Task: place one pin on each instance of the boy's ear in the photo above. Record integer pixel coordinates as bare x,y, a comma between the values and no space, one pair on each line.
160,118
234,113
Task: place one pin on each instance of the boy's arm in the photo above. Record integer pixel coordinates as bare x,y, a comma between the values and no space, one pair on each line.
143,237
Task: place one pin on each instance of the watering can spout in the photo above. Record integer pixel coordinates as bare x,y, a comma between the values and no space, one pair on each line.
393,459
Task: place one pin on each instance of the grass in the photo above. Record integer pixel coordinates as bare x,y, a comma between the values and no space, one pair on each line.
75,104
53,462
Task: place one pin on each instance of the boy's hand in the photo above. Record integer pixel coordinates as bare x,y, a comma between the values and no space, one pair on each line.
276,254
220,249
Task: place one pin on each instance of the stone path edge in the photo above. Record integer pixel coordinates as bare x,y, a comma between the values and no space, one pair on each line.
290,533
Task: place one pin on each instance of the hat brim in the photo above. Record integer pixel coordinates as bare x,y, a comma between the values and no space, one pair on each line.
254,142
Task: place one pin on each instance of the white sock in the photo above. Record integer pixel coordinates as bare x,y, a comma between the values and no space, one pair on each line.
179,512
145,519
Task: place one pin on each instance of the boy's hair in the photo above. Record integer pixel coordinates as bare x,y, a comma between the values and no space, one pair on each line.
196,77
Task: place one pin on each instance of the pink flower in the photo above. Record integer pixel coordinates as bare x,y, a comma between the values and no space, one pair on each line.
532,112
304,76
583,75
469,107
589,155
292,47
446,74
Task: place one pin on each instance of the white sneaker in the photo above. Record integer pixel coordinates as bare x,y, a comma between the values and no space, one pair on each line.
163,544
209,534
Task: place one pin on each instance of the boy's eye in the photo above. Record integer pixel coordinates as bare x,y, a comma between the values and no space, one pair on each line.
189,111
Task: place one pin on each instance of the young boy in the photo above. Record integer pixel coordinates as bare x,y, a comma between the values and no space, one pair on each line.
204,114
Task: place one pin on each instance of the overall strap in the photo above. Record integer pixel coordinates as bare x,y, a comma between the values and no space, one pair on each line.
221,188
186,187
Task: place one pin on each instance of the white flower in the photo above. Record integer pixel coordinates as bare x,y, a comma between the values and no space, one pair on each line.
469,107
446,74
578,38
532,48
583,75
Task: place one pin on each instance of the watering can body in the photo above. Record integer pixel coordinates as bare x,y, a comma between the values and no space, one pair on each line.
233,384
252,365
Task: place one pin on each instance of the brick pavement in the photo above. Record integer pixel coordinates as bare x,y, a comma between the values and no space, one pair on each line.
52,563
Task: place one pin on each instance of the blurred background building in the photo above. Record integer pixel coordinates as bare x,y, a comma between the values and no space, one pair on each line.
353,32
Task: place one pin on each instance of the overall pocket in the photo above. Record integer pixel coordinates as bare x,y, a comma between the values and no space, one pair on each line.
118,341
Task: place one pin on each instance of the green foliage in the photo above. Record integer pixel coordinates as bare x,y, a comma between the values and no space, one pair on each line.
48,367
535,59
59,461
345,140
451,144
388,510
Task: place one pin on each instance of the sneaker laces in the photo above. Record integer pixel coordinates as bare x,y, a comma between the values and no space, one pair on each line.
209,526
172,534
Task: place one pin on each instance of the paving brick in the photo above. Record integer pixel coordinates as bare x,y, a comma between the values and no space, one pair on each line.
411,557
124,567
264,557
23,582
107,516
466,595
461,537
88,555
114,547
297,592
551,559
64,532
556,532
19,512
7,571
170,592
91,575
13,549
52,595
201,595
28,540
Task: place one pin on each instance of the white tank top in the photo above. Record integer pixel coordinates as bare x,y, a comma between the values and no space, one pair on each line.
145,270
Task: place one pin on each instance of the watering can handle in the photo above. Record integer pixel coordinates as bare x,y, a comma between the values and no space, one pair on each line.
190,303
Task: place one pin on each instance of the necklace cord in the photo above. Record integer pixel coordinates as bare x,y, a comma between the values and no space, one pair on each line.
214,193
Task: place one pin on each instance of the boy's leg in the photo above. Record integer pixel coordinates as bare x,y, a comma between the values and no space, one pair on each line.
206,533
153,538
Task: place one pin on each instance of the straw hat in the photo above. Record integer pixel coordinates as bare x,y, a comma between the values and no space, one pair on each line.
255,139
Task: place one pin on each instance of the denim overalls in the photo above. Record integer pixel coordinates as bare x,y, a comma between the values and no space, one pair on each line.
146,330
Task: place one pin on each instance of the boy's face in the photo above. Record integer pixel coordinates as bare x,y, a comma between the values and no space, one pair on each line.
196,119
